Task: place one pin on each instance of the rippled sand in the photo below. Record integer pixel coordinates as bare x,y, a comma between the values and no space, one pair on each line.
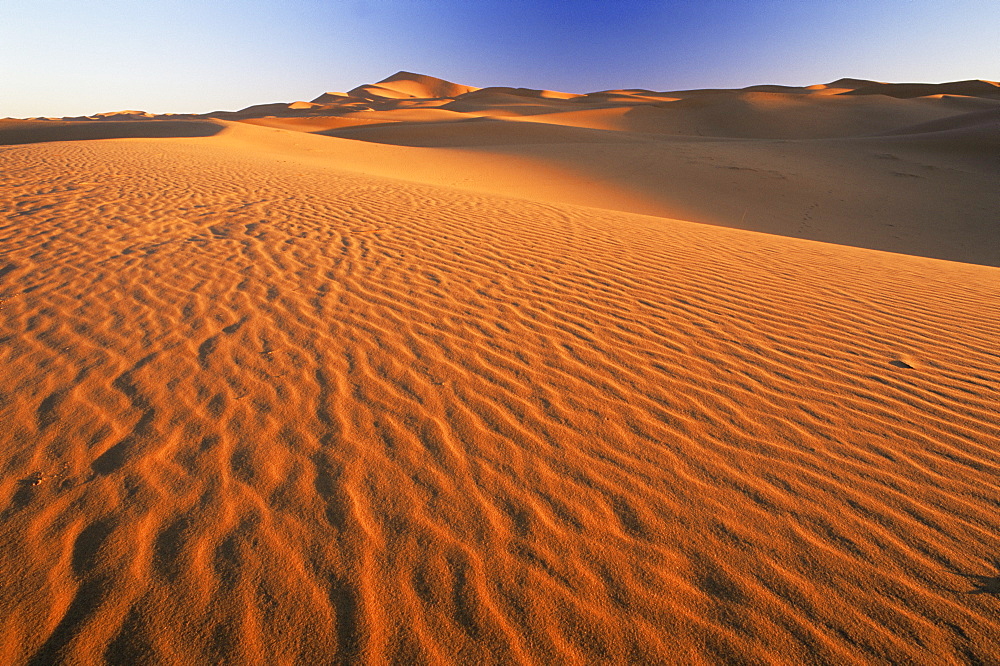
261,405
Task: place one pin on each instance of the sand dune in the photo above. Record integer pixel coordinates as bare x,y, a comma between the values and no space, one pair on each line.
763,115
908,90
472,132
809,162
924,194
984,123
408,84
276,396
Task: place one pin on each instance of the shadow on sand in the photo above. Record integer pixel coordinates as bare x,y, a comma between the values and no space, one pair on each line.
44,131
983,584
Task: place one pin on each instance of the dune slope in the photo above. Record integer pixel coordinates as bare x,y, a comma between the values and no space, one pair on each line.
926,193
908,168
260,408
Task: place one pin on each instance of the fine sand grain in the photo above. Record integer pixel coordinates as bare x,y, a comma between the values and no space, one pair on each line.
271,396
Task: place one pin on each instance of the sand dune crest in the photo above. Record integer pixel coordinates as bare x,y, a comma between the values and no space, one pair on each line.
408,84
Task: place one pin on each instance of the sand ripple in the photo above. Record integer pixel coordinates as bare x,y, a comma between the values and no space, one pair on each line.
267,412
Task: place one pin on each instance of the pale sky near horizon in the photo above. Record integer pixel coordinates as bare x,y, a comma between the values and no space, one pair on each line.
79,57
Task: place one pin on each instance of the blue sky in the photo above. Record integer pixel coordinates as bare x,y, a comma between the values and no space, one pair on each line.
72,57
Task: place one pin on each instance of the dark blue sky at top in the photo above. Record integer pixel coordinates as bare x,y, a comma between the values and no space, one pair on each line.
63,57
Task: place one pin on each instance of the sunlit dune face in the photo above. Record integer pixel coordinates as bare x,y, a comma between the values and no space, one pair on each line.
424,373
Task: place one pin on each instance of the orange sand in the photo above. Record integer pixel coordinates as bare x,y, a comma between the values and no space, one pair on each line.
432,389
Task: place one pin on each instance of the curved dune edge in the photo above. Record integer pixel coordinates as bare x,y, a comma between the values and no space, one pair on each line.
260,410
928,194
908,168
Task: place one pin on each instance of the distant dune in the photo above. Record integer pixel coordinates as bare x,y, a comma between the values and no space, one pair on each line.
910,90
428,373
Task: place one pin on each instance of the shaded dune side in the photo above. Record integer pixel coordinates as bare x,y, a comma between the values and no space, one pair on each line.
768,115
983,124
472,132
905,175
928,194
18,132
271,412
974,87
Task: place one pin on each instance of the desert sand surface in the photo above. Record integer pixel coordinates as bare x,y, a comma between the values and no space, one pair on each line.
426,373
